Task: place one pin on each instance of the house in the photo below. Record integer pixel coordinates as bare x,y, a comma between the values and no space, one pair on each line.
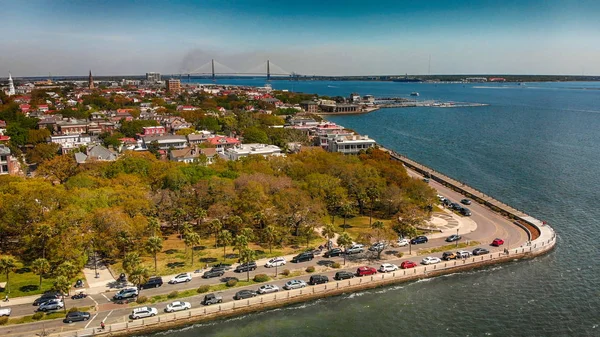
186,108
340,107
43,108
222,143
96,152
244,150
309,106
192,154
352,144
71,126
354,97
153,130
2,127
165,142
8,164
69,142
198,137
25,108
71,102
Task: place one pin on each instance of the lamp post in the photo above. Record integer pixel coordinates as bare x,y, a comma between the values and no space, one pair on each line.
457,238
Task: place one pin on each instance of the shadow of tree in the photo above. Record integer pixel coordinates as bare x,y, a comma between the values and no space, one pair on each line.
326,263
23,270
171,251
208,260
28,288
197,248
175,265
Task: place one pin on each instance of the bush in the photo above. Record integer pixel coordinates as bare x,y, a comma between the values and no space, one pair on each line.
261,278
203,289
400,254
173,294
231,283
285,272
3,320
310,269
37,316
73,309
336,265
141,299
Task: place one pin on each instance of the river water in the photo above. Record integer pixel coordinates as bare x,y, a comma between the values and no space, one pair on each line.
537,148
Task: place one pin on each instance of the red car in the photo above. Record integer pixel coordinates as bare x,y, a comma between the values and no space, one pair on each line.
497,242
362,271
407,264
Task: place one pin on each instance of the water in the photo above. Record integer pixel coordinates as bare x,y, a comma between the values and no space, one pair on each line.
535,147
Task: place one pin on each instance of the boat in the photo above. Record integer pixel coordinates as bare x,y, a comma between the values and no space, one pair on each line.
414,93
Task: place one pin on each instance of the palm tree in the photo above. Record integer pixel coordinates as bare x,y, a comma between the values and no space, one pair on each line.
178,216
270,236
154,246
225,238
247,256
192,239
124,240
7,264
40,266
345,241
131,261
378,226
328,232
66,269
215,226
44,233
346,209
139,275
63,286
185,230
240,243
200,214
153,226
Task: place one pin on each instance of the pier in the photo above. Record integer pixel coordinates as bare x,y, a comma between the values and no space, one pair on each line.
429,103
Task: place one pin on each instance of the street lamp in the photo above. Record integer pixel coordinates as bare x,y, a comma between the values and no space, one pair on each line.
457,238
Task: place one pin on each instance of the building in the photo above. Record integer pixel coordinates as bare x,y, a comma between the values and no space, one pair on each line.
340,108
8,164
96,152
173,85
165,142
352,144
152,77
91,81
153,130
354,97
244,150
72,126
69,142
2,127
199,137
222,143
309,106
11,86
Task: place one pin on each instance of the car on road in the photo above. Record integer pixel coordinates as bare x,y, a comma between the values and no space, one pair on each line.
275,262
5,311
378,247
306,256
387,267
463,254
407,264
402,242
453,237
355,249
213,273
318,279
465,202
497,242
212,299
419,239
46,297
480,251
431,260
128,292
153,282
76,316
294,284
343,275
143,312
449,256
178,306
333,252
365,271
243,294
447,202
465,211
455,206
245,267
267,289
426,180
54,304
181,278
441,198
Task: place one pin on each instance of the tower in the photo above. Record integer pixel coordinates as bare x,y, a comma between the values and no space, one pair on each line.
213,69
268,71
90,81
11,85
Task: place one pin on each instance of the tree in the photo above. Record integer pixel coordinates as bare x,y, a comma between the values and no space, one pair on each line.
59,168
255,135
154,245
131,261
270,236
224,238
346,209
7,264
42,152
66,269
215,226
40,266
344,241
63,286
328,232
192,239
408,220
139,275
153,226
240,243
246,256
186,229
381,233
177,219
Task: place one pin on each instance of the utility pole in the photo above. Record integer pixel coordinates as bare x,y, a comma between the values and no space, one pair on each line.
457,238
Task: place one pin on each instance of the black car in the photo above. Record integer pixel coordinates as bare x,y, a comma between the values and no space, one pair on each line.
76,316
453,237
213,273
242,294
465,211
333,252
455,206
318,279
46,297
466,201
153,282
245,267
307,256
447,202
419,239
230,278
343,275
480,251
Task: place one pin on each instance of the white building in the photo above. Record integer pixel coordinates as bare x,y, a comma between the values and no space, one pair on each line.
11,86
166,142
350,144
244,150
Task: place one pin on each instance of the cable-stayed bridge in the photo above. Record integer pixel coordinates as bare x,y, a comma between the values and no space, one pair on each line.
216,69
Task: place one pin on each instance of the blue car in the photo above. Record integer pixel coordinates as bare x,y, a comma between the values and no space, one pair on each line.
419,239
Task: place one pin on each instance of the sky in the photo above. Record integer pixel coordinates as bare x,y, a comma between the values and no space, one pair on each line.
308,37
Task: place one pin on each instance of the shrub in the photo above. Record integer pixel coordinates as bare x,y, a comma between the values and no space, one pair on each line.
3,320
73,309
261,278
310,269
203,289
37,316
173,294
285,272
336,265
141,299
231,283
400,254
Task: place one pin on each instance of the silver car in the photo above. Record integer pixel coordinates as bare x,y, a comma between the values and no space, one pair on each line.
294,284
267,289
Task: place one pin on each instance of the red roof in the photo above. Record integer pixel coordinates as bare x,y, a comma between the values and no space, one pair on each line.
4,138
223,140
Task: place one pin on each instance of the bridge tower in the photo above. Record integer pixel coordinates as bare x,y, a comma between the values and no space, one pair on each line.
213,69
268,71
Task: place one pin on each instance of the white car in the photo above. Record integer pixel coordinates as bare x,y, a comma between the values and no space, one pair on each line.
51,305
268,288
178,306
275,262
431,260
387,267
185,277
294,284
402,242
463,254
143,312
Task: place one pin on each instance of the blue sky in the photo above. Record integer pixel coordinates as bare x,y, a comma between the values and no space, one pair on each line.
308,37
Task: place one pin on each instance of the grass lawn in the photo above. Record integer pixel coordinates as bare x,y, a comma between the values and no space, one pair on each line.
23,282
450,247
357,225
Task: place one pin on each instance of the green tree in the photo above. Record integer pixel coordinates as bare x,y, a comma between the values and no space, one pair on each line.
344,241
270,236
347,209
7,264
40,266
67,269
255,135
131,261
381,233
408,220
139,275
153,226
192,239
224,239
63,286
215,227
59,168
246,256
154,245
328,232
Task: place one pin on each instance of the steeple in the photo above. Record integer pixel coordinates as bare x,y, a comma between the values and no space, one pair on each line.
91,81
11,85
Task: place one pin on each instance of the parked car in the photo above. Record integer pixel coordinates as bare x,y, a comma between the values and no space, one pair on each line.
431,260
465,202
54,304
213,273
497,242
275,262
79,284
183,277
143,312
153,282
77,316
5,311
402,242
449,256
441,197
419,239
294,284
447,202
387,267
212,299
128,292
333,252
465,211
377,247
46,297
480,251
364,271
267,289
343,275
426,180
463,254
453,237
178,306
306,256
318,279
245,267
407,264
243,294
455,206
355,249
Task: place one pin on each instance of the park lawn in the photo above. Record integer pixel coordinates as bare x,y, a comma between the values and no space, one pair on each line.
23,282
357,225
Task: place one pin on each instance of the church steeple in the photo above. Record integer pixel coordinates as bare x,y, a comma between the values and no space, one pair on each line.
91,81
11,85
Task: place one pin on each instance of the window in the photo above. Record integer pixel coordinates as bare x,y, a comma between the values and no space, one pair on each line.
2,158
4,168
